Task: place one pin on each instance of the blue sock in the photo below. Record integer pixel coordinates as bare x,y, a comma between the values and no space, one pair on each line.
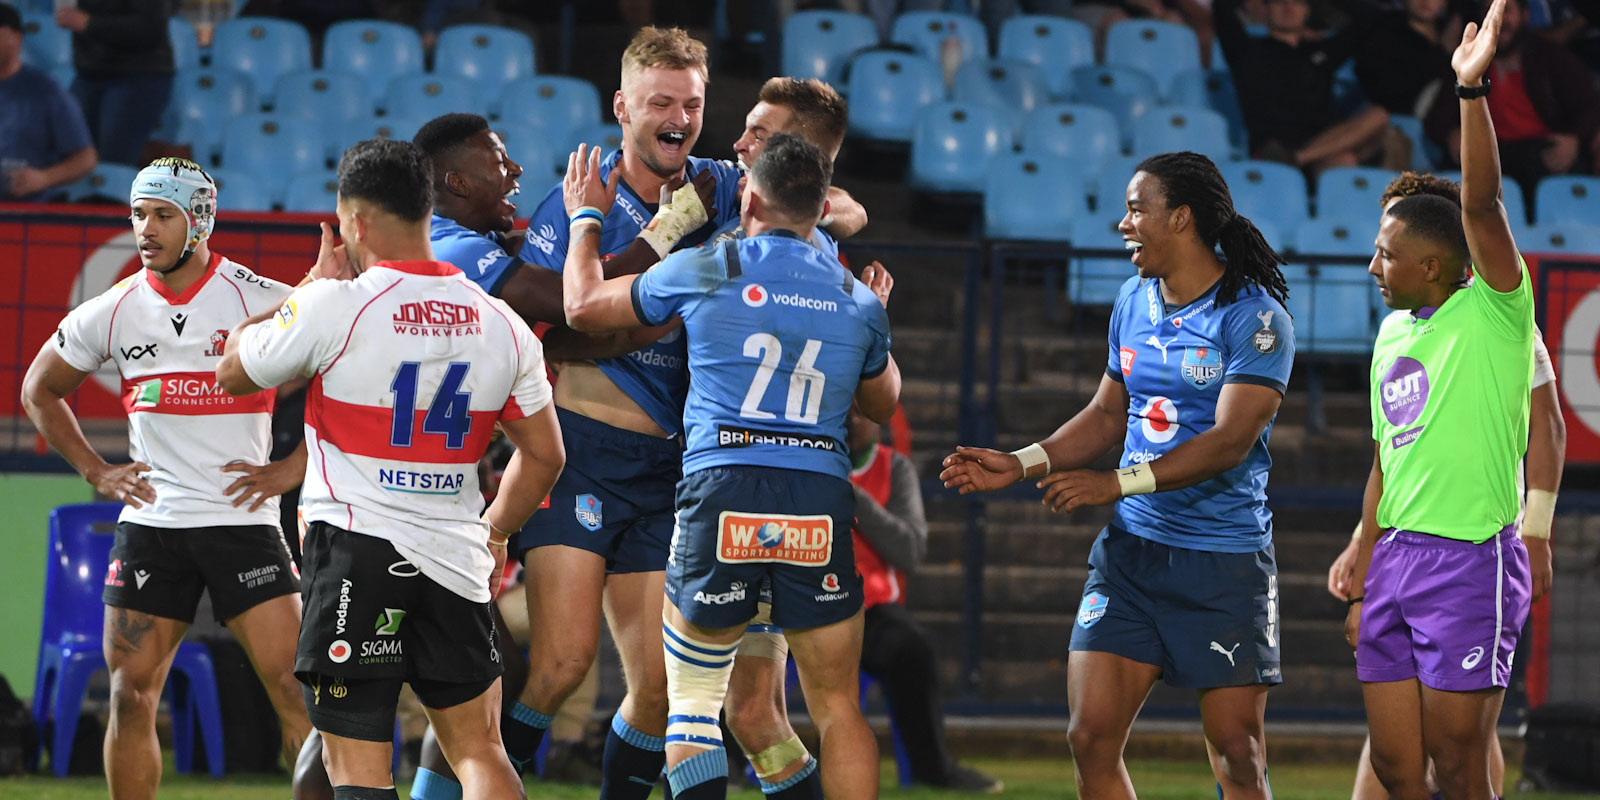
803,785
632,762
700,777
522,729
431,785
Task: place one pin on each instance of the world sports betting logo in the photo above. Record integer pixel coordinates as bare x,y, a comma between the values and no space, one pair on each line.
805,541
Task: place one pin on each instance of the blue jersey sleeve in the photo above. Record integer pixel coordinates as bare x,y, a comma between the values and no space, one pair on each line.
826,243
878,340
667,288
1117,362
546,244
483,259
1259,343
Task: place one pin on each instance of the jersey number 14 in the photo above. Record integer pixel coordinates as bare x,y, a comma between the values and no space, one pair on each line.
449,415
803,406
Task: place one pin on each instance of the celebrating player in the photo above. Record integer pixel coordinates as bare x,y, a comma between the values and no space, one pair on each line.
1183,582
1433,641
765,484
179,534
417,559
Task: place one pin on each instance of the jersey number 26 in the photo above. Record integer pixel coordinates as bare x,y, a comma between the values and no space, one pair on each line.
802,407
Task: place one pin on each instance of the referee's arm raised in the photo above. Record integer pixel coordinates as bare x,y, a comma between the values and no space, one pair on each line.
1494,253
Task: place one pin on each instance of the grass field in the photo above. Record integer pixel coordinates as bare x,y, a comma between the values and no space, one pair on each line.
1035,779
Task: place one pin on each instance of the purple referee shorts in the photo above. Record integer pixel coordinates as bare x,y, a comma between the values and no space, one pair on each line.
1444,611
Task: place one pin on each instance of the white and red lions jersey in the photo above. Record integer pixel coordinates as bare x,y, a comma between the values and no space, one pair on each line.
411,366
166,347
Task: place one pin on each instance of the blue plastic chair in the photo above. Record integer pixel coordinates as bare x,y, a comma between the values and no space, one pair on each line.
1033,197
1095,280
1055,44
1567,198
1351,193
887,88
952,144
1111,177
606,135
45,44
1213,89
1124,91
312,192
263,48
329,96
818,44
486,55
385,127
555,104
374,50
925,32
427,96
203,100
1424,153
105,180
70,649
1172,128
1016,86
1070,130
1162,49
1268,190
274,148
543,162
240,191
1332,304
185,45
1560,237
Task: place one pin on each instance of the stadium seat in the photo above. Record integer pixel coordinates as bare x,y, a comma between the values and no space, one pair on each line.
1162,49
385,127
487,55
1087,133
1033,197
1124,91
1422,148
239,191
886,90
1094,280
543,162
107,181
1560,237
1332,303
427,96
1267,190
552,103
607,135
274,148
1016,86
203,100
925,32
1567,198
1214,90
1168,129
1056,45
333,96
312,192
1111,177
185,44
263,48
952,143
818,44
70,649
1351,193
45,44
374,50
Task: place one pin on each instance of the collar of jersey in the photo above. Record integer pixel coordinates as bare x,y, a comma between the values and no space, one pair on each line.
782,233
175,299
431,268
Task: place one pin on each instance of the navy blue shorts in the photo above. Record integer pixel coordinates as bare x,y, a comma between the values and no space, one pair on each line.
738,526
614,498
1208,620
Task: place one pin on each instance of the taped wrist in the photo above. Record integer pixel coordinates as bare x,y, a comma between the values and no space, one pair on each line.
674,220
1539,515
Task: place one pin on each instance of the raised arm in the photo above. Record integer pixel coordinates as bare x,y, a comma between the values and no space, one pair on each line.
591,302
1494,253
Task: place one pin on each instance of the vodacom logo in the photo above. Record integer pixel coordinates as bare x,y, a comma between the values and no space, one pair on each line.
1580,373
99,272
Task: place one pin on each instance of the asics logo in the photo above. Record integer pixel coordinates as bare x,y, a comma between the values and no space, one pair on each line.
1472,658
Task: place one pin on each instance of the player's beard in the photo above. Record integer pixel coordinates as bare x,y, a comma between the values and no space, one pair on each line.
649,158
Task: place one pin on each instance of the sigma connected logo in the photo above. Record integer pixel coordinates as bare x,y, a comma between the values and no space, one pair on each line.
755,296
179,393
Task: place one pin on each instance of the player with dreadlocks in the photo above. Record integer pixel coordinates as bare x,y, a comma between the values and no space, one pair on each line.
1183,583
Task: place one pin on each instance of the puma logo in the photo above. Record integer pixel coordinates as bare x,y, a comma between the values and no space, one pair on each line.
1227,652
1157,344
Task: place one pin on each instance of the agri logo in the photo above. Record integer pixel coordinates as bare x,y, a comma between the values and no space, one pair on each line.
755,295
805,541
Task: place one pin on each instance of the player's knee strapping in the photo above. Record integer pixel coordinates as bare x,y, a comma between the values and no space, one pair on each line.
764,641
779,757
697,682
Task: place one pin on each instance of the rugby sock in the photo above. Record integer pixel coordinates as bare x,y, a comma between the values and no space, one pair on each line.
803,785
702,776
364,793
522,729
632,762
431,785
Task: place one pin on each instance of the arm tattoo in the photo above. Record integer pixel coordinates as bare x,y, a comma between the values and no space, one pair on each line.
129,629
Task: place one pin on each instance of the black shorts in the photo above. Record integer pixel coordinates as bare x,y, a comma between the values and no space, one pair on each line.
371,621
162,571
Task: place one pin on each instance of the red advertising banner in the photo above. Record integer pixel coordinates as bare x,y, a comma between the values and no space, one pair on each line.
1569,294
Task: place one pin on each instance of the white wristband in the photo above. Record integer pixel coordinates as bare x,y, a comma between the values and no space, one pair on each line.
1356,534
1033,456
1137,479
1539,514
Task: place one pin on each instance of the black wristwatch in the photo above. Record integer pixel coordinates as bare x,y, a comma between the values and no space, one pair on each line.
1473,92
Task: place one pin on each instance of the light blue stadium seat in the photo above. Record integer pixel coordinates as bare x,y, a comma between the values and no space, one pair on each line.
1167,129
1424,154
1111,177
45,44
1352,193
185,45
106,180
274,148
1567,198
333,96
605,135
427,96
487,55
376,127
1510,196
240,191
952,144
1094,280
553,103
1057,45
1162,49
818,44
203,100
1124,91
1016,86
1267,190
1070,130
925,32
887,89
1560,237
263,48
312,192
1212,89
375,50
1033,197
1332,303
543,162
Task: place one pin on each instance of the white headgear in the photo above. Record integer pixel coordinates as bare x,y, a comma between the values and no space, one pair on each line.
184,184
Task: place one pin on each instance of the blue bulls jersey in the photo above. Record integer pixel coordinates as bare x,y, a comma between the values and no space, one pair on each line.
780,334
655,376
1174,363
735,230
484,258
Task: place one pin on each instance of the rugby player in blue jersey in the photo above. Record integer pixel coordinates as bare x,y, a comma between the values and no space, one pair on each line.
1182,584
765,485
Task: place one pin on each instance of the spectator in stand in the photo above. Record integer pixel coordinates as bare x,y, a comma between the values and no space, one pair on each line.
44,142
1285,84
1406,60
1543,102
124,62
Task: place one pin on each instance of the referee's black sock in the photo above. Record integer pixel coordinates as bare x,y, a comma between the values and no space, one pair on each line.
522,729
364,793
632,762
